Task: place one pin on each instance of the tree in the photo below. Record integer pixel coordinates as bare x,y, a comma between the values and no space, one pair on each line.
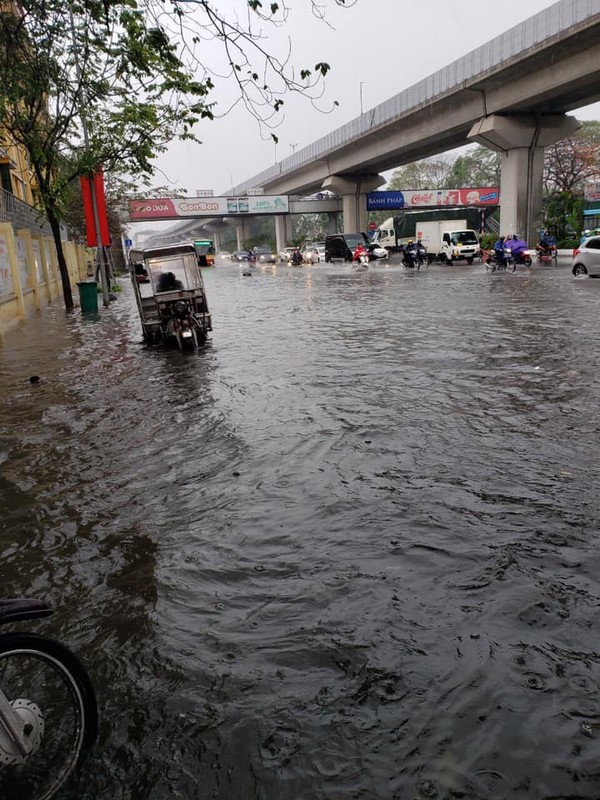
478,167
568,164
428,173
309,228
113,82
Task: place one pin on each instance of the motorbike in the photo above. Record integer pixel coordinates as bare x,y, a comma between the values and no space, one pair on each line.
173,307
422,257
520,258
297,260
48,709
410,259
547,254
360,260
494,263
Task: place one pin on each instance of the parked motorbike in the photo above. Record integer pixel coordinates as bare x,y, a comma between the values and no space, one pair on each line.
48,710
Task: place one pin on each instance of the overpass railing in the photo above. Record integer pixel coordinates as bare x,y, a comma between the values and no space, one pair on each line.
542,27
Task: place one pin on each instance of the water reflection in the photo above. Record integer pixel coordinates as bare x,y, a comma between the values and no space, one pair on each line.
346,550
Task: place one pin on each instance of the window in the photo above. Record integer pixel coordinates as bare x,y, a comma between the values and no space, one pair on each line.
5,180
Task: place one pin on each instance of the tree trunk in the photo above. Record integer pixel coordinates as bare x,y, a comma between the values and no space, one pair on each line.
62,263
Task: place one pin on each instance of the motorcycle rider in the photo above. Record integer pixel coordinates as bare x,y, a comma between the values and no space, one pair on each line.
546,244
359,251
499,247
297,258
421,252
168,282
410,254
517,247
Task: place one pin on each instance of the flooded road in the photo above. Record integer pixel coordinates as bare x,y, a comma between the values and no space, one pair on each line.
350,549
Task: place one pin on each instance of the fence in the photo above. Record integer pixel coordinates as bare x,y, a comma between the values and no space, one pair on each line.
29,276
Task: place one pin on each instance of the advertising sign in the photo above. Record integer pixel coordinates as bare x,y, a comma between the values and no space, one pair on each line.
434,198
182,208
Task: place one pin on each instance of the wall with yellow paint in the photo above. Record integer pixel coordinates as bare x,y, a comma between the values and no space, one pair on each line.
29,276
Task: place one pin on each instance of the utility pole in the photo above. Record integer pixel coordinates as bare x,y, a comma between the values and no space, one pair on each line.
101,261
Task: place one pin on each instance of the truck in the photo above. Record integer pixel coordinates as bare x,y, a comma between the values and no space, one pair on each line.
449,240
395,232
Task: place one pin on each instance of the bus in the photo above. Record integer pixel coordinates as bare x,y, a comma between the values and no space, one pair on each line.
205,250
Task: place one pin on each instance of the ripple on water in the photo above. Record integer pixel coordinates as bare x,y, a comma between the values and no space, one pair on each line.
348,549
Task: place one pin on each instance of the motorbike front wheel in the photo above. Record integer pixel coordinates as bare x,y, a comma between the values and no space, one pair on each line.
54,699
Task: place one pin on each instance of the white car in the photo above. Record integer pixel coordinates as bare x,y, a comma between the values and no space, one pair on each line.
586,257
311,255
378,252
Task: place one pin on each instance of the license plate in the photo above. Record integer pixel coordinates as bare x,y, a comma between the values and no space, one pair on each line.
187,334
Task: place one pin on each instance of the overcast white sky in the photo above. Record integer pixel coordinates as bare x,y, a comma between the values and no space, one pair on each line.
376,47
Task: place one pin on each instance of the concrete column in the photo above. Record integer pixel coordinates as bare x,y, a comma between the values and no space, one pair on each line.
332,222
240,230
522,139
353,190
281,238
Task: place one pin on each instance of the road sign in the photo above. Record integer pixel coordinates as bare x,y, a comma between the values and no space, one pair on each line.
128,242
372,226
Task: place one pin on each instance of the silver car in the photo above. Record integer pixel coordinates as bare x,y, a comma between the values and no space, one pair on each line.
586,257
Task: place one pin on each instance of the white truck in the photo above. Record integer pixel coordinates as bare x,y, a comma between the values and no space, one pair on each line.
447,239
450,240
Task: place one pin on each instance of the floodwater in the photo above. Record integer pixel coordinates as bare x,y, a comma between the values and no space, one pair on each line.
350,549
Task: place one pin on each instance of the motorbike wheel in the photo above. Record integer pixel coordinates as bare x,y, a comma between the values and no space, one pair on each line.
510,266
52,694
527,261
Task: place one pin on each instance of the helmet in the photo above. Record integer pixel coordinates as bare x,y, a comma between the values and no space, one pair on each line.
410,241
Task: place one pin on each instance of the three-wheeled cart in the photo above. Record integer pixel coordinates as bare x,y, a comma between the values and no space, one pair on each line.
172,305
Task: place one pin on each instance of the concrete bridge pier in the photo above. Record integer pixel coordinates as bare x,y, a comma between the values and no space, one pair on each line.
283,231
332,222
521,139
353,190
241,234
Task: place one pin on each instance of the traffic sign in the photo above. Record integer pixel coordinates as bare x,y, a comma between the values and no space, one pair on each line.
372,226
128,242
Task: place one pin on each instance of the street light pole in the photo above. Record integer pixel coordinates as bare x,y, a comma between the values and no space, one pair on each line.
360,85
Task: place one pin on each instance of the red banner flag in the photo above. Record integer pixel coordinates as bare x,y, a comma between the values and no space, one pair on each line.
92,190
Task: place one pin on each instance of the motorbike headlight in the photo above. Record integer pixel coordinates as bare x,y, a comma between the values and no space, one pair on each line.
180,308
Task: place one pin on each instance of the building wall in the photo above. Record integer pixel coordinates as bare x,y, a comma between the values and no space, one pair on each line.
29,276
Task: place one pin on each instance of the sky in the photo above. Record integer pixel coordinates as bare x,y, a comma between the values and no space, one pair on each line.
376,48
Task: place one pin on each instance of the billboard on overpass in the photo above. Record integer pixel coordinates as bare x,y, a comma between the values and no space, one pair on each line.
434,198
191,207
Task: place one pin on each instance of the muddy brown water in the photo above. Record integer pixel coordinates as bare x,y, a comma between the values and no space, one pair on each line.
347,550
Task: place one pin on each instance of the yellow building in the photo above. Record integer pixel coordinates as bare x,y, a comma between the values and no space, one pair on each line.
16,175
